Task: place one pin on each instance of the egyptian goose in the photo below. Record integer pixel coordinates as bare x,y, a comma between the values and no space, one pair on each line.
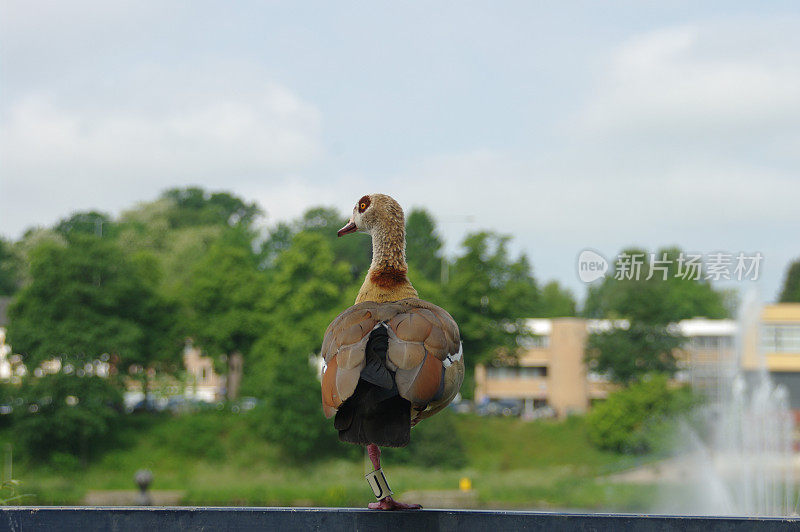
392,359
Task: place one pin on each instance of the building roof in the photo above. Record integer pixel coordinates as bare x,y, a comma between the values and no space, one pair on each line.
707,327
540,326
691,327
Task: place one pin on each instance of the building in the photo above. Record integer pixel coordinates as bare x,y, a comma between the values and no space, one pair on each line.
776,347
708,359
10,365
203,383
551,371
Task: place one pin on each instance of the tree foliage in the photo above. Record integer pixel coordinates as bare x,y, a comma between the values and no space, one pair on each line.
638,419
791,285
193,206
423,245
490,294
85,223
355,250
65,414
10,274
223,293
86,299
650,305
654,300
626,355
556,302
307,289
290,415
306,293
433,445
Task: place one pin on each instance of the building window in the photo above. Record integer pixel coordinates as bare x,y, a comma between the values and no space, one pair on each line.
706,343
524,372
532,372
535,341
780,338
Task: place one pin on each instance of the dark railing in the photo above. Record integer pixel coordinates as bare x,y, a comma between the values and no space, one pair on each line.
154,519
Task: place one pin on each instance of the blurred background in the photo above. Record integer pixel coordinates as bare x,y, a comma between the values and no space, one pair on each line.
604,196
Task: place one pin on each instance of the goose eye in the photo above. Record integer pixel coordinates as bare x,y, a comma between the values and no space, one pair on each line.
363,206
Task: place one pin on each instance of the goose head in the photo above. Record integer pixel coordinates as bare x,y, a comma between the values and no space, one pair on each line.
376,214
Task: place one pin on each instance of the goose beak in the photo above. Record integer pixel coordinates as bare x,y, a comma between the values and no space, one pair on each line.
349,228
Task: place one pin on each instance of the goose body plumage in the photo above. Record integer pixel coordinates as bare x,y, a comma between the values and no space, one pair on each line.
392,359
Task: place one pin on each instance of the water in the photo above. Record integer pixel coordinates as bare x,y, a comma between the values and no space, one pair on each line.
745,463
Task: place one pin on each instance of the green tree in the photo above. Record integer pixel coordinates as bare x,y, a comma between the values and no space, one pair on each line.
323,221
490,295
650,305
433,444
290,415
194,207
423,245
556,302
223,293
278,241
180,227
626,355
85,223
86,299
66,414
640,418
307,289
10,274
791,285
655,300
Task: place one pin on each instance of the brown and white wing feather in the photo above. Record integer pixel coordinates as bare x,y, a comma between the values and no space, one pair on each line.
424,352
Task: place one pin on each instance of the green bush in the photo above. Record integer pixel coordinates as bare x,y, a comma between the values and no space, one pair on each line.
639,418
434,444
7,395
198,435
290,414
64,414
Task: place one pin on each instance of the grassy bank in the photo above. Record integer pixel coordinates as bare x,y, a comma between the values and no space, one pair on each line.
216,459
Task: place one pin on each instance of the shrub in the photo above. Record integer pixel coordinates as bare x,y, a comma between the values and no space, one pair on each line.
434,444
198,435
637,419
291,413
64,414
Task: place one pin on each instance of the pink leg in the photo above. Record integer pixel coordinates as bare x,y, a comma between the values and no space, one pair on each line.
387,503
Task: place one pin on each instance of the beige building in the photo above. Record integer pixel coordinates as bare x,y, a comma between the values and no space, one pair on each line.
552,373
203,383
776,347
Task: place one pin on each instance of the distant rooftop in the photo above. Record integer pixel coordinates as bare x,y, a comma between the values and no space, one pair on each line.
707,327
691,327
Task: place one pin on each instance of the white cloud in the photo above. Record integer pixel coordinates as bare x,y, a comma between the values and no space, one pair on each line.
688,136
104,156
275,131
726,80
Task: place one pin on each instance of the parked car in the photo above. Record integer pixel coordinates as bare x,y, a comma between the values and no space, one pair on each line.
500,407
244,404
461,406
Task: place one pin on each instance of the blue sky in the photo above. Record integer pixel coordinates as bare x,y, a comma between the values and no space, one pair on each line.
567,125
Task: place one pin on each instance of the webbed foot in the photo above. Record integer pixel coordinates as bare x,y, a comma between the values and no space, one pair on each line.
387,503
